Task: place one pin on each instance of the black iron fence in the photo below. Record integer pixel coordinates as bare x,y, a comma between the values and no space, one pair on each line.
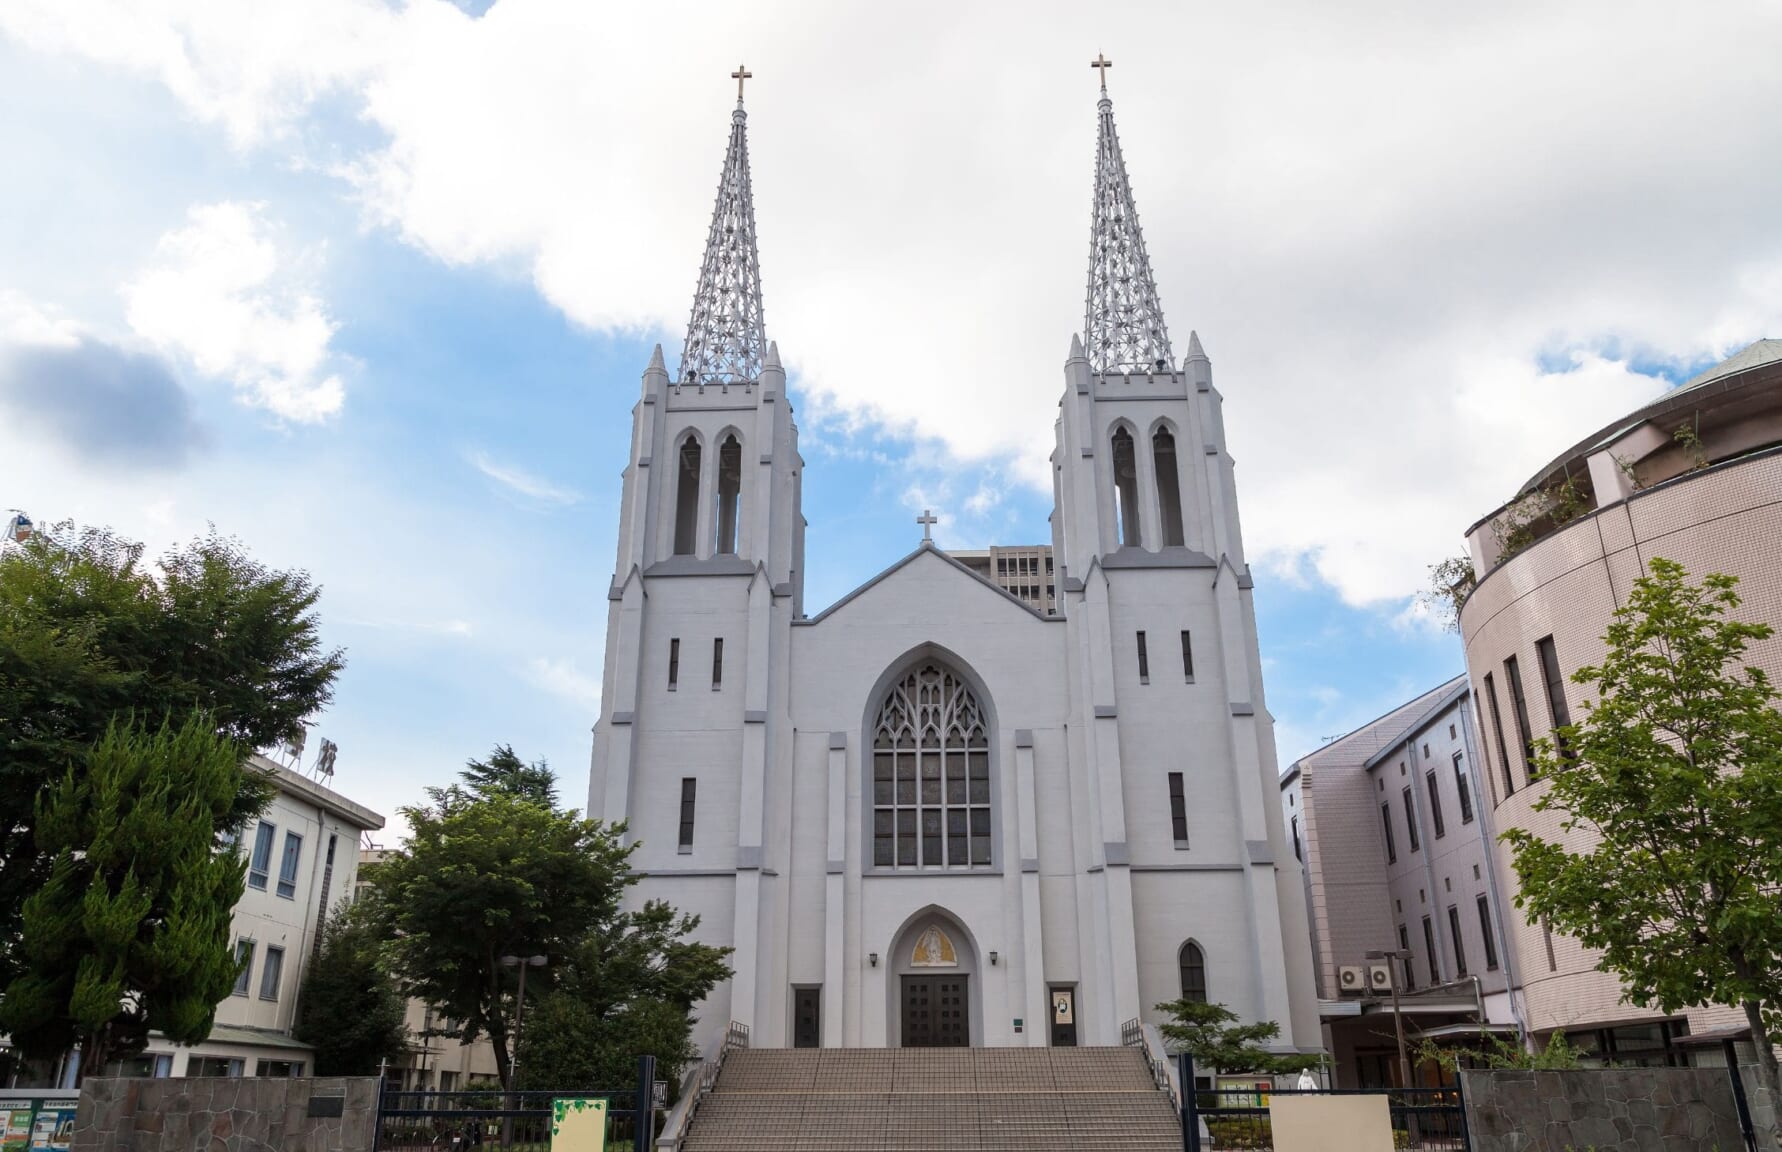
1229,1118
521,1121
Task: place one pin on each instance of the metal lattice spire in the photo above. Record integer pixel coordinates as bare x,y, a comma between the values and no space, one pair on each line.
726,337
1123,323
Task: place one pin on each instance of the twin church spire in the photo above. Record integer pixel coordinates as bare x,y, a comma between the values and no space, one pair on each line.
726,336
1123,324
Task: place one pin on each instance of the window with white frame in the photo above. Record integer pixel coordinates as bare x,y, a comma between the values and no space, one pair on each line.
931,774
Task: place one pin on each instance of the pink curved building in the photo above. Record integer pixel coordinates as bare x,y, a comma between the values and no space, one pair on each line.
1694,477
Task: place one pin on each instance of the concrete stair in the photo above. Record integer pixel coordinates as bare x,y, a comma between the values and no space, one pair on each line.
916,1100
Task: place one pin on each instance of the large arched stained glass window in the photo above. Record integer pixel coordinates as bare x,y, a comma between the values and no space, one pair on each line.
930,774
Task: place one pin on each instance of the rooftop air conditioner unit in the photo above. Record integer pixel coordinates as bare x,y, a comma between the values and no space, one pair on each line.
1379,978
1351,979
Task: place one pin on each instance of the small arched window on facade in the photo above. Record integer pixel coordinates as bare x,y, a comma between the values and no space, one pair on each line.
1126,493
1169,486
1194,973
686,499
729,494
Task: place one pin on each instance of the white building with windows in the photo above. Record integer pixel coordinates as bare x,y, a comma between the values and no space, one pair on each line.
932,813
303,859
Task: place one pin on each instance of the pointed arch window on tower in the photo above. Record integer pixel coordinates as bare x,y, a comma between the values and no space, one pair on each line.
931,774
729,495
686,502
1169,486
1126,492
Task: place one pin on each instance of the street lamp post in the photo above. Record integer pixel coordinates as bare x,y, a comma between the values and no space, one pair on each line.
513,1065
1398,1019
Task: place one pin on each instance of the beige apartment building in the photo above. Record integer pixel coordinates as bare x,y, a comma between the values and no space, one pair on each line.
1024,571
1388,824
1695,477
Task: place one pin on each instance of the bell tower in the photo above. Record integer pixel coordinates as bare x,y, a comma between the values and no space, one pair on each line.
708,578
1157,595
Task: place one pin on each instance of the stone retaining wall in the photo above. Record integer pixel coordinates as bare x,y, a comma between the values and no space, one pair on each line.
1607,1109
218,1114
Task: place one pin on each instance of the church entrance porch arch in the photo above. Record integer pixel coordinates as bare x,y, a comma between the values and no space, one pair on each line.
934,996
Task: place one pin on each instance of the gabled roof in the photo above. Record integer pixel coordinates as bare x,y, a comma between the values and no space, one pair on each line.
929,548
1381,733
1449,693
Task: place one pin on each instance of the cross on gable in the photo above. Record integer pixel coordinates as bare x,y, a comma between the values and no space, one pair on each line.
927,520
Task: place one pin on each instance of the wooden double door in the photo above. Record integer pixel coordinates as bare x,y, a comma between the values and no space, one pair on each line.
936,1012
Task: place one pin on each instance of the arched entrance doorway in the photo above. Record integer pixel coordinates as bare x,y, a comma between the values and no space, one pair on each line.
934,1002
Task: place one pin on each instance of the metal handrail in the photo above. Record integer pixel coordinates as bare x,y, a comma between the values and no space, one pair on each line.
1146,1038
702,1079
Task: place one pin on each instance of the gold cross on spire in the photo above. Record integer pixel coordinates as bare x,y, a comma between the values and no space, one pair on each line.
1102,64
742,73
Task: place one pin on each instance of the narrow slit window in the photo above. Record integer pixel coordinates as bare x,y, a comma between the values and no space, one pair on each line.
689,792
1416,841
1519,707
1169,486
1178,810
1435,804
271,972
1497,732
1386,821
1296,852
244,957
729,495
718,663
1187,655
1126,494
1144,661
1557,711
1459,943
260,863
1429,945
1489,936
1462,786
287,869
674,663
1404,945
686,501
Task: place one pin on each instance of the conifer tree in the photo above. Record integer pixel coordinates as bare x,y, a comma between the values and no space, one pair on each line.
131,930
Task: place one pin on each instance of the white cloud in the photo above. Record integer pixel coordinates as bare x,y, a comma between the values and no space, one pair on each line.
523,482
24,322
1378,258
561,677
222,294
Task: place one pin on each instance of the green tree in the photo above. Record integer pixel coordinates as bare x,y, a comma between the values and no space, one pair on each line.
89,632
487,875
349,1010
504,771
1669,794
1212,1035
628,989
131,929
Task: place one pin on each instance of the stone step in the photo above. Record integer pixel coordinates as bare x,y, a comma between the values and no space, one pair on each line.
888,1100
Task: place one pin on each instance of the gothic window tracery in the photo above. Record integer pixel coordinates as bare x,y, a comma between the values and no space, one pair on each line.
931,774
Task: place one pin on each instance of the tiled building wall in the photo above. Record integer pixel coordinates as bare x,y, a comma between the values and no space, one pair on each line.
1345,855
1724,519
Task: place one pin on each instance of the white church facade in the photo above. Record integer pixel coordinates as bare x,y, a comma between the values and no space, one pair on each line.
929,814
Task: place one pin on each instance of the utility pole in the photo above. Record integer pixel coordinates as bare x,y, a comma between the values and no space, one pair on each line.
1392,956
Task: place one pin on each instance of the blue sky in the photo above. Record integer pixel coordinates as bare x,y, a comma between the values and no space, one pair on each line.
371,286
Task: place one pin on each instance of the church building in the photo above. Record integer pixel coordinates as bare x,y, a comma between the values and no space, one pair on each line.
935,813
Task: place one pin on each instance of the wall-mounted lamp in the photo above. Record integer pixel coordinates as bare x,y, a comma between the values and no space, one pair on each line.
873,959
993,959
